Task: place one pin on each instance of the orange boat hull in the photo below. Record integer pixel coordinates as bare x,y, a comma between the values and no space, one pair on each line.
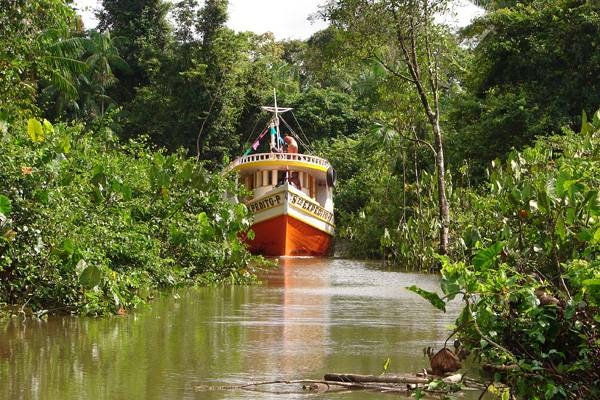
287,236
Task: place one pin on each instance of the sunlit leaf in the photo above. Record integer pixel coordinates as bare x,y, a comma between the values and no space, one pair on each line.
596,119
596,238
386,364
592,282
206,229
203,219
65,144
35,130
48,128
433,385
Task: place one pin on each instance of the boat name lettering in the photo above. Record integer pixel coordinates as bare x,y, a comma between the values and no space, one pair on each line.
265,203
311,208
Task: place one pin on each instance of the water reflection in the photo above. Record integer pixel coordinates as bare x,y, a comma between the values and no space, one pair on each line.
304,316
311,317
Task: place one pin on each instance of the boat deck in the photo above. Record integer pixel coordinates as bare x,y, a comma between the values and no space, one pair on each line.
262,160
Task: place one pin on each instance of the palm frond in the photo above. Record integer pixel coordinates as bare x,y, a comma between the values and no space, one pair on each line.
63,84
68,64
73,47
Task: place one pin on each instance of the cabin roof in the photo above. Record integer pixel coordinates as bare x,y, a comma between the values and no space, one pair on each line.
270,161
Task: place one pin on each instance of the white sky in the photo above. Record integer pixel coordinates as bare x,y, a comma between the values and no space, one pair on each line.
287,19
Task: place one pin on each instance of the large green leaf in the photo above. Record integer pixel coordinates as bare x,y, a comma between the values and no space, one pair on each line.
585,235
48,128
450,287
596,238
5,205
90,277
486,257
593,203
432,297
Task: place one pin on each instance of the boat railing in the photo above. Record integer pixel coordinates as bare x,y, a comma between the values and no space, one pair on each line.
250,158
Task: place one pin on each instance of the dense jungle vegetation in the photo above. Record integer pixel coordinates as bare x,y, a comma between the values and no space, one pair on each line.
474,152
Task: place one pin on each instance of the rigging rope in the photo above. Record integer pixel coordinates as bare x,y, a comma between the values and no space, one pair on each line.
310,148
304,142
298,138
251,132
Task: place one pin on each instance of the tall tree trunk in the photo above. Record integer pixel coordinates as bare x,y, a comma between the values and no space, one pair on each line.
407,41
444,211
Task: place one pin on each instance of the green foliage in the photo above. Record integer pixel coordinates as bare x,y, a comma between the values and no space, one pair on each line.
530,76
36,50
530,275
87,226
146,35
5,206
327,113
201,93
386,197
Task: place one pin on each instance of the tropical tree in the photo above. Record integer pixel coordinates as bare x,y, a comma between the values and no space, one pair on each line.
145,33
530,76
403,37
102,58
37,50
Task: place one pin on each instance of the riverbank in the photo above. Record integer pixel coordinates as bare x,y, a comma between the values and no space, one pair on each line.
93,226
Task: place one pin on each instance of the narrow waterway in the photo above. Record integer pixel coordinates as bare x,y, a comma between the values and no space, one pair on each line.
310,317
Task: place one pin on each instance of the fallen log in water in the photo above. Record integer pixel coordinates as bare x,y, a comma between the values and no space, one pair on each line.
301,386
396,379
348,382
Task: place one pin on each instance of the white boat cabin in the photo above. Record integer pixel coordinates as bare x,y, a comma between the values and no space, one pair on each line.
263,172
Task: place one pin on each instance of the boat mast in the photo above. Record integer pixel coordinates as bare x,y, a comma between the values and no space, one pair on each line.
276,120
274,125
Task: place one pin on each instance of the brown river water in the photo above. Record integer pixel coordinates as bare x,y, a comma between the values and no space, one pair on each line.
309,317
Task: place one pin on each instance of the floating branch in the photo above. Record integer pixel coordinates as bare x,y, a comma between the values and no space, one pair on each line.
344,382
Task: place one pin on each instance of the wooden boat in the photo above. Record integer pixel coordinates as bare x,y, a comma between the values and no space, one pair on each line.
291,197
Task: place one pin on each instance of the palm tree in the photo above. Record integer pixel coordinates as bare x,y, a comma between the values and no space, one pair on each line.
58,60
102,58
